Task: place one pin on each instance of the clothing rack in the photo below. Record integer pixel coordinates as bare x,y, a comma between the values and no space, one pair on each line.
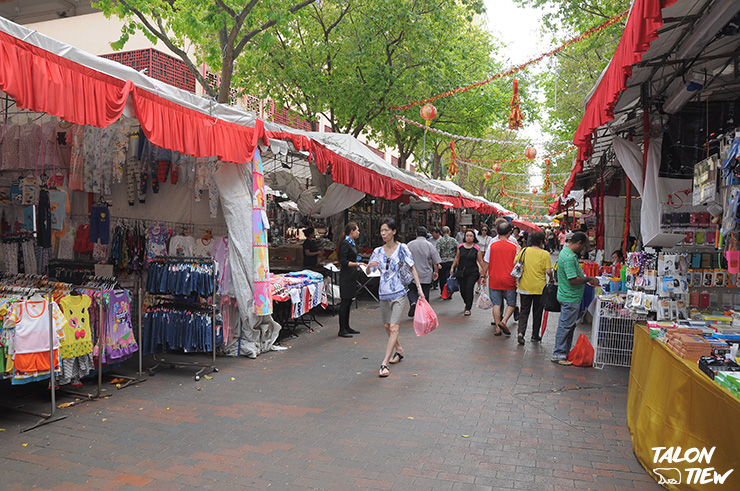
140,372
50,417
172,364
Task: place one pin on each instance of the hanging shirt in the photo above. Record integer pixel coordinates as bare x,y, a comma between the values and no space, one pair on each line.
204,247
30,318
156,241
59,208
77,335
182,245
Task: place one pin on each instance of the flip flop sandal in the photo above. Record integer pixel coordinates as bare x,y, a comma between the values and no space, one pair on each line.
499,333
396,354
380,374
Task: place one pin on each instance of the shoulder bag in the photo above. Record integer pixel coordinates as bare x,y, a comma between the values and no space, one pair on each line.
404,270
550,297
518,268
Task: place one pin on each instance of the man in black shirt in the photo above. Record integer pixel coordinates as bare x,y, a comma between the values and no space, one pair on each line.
311,249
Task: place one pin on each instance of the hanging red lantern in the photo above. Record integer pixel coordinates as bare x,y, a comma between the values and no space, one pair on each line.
534,190
530,153
552,195
516,117
496,167
523,202
487,175
428,113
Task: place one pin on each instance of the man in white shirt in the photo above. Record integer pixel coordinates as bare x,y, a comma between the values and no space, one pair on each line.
461,234
427,262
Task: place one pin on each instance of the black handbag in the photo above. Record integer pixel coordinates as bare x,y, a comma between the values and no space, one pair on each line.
550,297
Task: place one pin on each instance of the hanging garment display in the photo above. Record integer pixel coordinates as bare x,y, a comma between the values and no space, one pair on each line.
190,278
180,327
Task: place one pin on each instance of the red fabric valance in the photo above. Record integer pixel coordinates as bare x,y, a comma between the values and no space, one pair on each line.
42,81
642,28
359,177
175,127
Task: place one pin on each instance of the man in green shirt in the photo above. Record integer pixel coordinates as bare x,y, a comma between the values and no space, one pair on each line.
571,283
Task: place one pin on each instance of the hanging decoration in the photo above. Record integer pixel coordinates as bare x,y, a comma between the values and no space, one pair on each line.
530,153
534,190
516,119
428,113
530,204
523,159
511,71
487,175
496,167
480,140
452,169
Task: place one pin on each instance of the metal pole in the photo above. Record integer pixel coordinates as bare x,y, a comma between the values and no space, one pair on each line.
51,358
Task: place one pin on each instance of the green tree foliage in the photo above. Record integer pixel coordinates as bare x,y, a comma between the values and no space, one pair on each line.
350,61
219,30
574,71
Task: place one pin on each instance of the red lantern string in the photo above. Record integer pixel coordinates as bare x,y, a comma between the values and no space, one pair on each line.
521,159
511,71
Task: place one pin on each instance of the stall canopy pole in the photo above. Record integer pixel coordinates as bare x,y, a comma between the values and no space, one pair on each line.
645,131
627,208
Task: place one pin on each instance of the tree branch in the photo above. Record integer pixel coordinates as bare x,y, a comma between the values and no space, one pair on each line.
162,36
248,36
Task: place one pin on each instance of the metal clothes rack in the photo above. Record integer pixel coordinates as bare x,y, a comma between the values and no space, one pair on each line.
173,364
140,372
50,417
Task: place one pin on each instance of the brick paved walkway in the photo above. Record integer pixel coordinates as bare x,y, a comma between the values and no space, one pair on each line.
464,410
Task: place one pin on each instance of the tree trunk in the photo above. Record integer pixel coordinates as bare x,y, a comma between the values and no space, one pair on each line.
227,70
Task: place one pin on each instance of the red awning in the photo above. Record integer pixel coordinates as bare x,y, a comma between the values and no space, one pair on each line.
642,28
45,82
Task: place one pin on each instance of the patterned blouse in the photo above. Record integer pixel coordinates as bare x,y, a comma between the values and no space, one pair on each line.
391,286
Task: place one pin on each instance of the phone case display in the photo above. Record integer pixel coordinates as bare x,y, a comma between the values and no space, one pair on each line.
658,283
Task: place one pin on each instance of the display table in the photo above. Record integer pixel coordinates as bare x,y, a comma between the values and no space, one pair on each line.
294,296
671,403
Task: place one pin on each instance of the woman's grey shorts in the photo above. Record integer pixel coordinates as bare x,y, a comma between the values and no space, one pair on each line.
394,310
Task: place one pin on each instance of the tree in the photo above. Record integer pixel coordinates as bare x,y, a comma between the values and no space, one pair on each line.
350,61
576,69
219,30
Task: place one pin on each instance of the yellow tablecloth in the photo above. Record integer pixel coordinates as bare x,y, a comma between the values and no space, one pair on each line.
671,403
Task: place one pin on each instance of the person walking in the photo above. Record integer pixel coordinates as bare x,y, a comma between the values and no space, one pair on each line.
484,238
436,234
537,269
461,234
562,236
427,262
571,284
349,262
466,266
447,249
501,285
388,258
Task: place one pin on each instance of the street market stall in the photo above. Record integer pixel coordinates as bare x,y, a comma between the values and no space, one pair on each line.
660,126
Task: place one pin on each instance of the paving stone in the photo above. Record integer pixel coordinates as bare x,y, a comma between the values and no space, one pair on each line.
464,410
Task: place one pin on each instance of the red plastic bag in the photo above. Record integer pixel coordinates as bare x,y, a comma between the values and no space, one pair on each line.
446,293
582,354
425,320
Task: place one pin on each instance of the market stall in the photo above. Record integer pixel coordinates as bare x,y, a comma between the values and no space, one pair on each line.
660,129
106,171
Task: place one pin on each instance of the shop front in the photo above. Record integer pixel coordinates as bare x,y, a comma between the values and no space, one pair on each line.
658,151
